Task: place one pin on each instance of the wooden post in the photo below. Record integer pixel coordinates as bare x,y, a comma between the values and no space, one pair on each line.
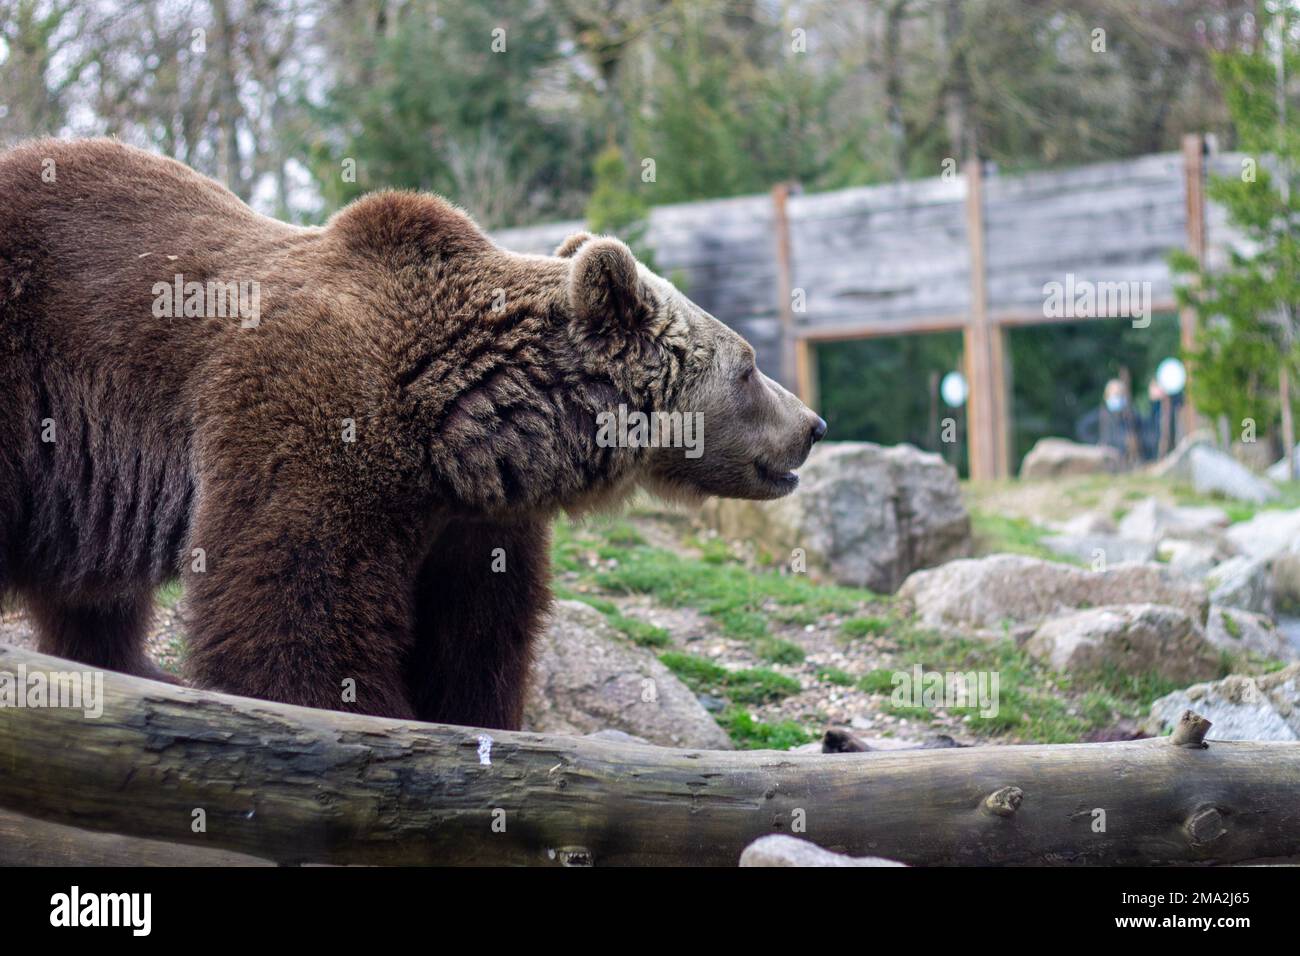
1194,191
985,350
788,372
805,378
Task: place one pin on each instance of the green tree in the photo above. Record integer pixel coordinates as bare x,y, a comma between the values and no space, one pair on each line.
1246,354
617,206
450,99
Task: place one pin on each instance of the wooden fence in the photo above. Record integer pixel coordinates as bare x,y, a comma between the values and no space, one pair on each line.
969,251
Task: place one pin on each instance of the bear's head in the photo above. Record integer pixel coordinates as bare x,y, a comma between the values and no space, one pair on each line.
709,421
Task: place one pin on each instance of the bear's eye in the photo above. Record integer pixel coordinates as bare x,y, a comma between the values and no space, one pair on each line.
747,374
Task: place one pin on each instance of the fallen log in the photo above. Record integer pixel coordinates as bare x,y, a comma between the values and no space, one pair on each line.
296,785
25,841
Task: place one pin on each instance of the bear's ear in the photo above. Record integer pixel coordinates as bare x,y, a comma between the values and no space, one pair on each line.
604,288
571,245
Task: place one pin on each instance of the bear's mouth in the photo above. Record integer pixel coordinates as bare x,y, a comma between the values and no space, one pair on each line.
782,481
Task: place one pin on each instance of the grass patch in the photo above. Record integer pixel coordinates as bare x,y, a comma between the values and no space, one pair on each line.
750,734
1034,702
833,675
757,685
1230,625
717,584
641,633
879,681
864,626
1142,689
1237,511
638,632
779,651
714,551
999,534
170,594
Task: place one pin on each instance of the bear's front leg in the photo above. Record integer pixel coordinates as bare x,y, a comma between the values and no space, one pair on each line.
480,601
301,601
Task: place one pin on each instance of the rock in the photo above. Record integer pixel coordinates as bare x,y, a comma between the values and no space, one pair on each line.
1268,534
1278,471
588,678
1235,630
1056,457
864,514
1150,520
780,850
1110,548
1244,583
1214,473
1240,707
1127,639
1286,582
986,593
1187,559
1289,628
1089,523
1210,471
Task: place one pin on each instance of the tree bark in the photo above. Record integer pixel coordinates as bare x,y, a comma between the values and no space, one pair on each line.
296,785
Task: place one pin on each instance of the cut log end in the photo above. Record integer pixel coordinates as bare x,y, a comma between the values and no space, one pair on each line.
1190,731
1204,826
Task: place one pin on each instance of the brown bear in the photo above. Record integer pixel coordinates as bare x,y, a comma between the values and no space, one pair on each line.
349,441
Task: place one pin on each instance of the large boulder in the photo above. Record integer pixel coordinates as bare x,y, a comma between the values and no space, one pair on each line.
1240,707
986,593
864,514
1244,583
1286,582
1232,629
1099,549
588,678
1278,471
1268,534
1190,559
1152,520
777,849
1212,472
1126,639
1088,523
1058,457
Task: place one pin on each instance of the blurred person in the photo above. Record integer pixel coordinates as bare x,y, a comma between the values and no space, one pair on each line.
1118,424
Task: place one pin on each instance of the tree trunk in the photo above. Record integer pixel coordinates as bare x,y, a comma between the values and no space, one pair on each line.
296,785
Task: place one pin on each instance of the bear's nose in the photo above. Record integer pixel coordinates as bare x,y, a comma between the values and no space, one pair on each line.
819,429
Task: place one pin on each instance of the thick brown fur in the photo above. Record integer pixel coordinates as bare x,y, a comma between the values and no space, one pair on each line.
410,562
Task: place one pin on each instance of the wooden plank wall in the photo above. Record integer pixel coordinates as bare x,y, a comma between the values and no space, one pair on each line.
896,259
